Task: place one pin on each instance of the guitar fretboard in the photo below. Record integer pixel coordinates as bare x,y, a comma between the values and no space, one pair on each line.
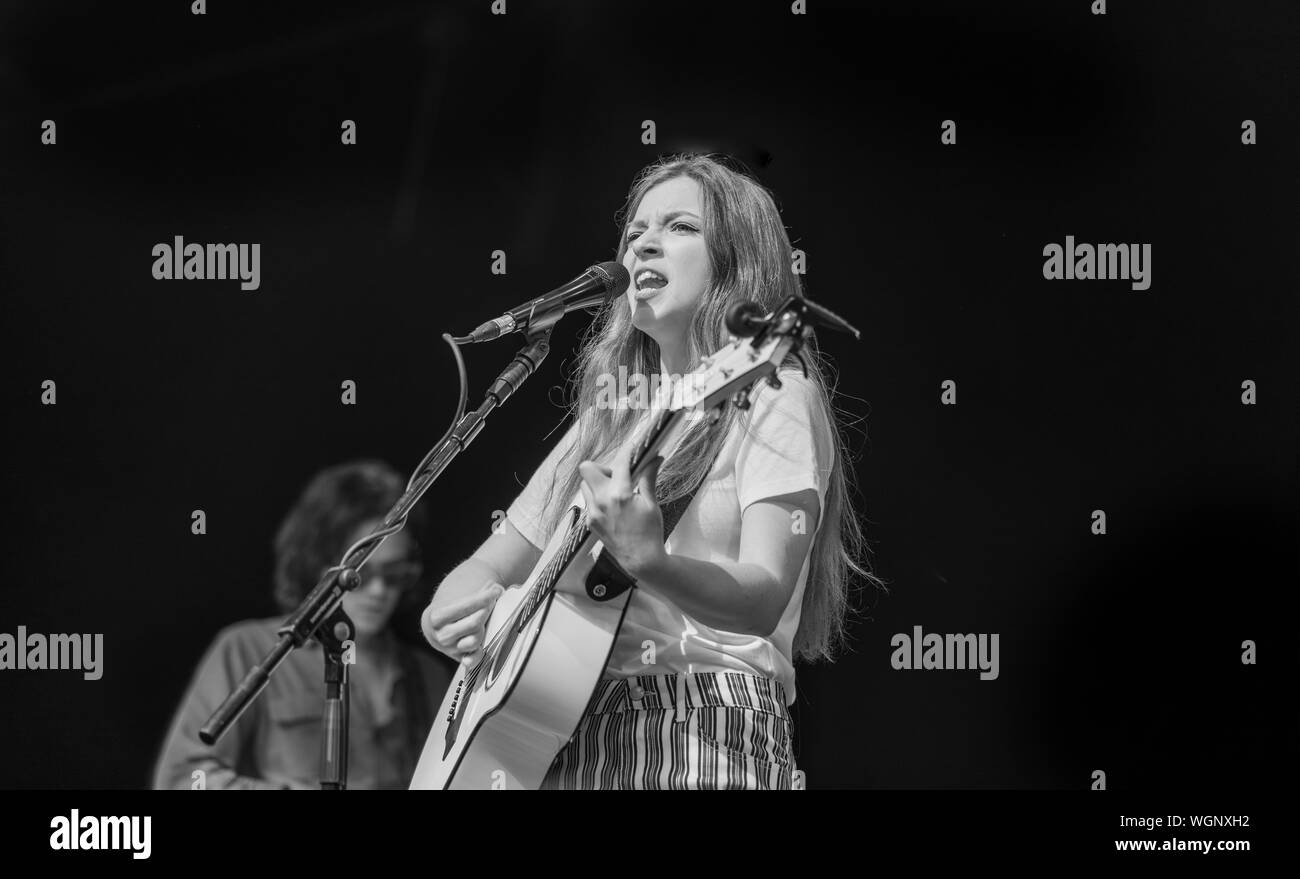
661,422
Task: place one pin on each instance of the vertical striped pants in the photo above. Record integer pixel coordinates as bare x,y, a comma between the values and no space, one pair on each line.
708,731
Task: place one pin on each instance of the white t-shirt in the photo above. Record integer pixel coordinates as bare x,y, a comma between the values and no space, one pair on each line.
782,444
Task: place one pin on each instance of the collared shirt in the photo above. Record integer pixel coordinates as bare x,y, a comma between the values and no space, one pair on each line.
276,742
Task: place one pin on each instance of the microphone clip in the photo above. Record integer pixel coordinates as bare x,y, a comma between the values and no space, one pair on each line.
747,319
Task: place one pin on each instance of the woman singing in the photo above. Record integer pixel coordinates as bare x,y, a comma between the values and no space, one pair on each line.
756,572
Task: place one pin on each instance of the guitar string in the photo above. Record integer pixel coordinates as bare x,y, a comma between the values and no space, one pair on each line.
546,582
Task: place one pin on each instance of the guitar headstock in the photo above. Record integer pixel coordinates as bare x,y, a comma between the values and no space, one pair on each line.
760,344
730,372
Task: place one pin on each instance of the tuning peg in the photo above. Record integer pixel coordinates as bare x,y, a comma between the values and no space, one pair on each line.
745,319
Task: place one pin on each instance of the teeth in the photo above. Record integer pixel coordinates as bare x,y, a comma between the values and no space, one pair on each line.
640,278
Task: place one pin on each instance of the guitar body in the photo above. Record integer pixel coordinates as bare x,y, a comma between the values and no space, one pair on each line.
503,722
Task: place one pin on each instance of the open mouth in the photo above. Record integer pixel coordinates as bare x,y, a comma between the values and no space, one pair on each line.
647,283
649,279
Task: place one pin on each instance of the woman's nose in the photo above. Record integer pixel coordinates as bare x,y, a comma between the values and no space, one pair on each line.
374,583
644,245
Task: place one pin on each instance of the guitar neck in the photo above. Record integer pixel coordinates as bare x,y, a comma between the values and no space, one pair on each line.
663,427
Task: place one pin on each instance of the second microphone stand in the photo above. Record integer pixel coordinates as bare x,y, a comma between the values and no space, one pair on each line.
321,614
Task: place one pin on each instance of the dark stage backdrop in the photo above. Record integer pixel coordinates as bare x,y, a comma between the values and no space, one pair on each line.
1172,409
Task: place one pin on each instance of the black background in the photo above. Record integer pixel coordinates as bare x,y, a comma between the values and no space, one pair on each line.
522,133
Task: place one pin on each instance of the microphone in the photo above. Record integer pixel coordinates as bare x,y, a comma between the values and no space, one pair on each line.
593,287
747,318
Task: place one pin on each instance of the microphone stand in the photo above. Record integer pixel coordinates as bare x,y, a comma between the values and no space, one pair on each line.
321,614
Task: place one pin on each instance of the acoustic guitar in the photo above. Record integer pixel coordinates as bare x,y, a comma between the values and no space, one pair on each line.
503,722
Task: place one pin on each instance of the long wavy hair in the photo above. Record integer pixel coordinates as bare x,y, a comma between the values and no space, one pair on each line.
750,258
318,530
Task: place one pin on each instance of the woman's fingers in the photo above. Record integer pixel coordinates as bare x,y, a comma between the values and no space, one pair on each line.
589,501
475,623
440,616
443,626
590,469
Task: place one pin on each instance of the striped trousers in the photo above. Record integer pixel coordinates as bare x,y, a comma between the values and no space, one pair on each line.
706,731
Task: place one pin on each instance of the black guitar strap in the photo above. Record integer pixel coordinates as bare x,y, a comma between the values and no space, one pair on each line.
607,579
674,509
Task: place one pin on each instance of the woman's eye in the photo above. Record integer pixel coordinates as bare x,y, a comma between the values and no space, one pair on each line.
686,226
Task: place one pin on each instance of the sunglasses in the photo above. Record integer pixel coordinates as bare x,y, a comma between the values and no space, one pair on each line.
403,575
